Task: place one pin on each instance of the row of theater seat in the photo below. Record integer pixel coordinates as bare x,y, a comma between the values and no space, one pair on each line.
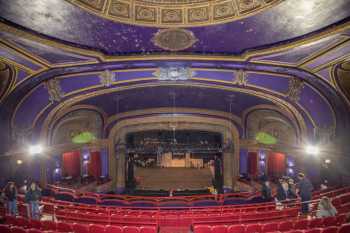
130,201
345,228
301,224
18,225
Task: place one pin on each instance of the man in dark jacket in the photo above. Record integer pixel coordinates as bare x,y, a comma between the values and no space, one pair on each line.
305,188
33,197
266,193
10,192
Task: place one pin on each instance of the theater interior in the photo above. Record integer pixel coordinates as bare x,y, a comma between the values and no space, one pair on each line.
175,116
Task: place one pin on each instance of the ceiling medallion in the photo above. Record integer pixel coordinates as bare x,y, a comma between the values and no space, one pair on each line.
174,13
174,39
342,77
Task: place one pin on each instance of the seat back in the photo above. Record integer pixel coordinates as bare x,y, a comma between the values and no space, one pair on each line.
80,228
94,228
202,229
330,230
48,225
253,228
344,228
114,229
131,229
148,229
64,227
5,229
219,229
269,227
236,229
285,226
17,229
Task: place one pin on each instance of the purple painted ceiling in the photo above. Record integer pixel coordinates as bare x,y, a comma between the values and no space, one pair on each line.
291,50
61,20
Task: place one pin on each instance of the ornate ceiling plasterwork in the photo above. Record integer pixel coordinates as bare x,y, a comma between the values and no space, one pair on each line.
342,74
174,13
174,39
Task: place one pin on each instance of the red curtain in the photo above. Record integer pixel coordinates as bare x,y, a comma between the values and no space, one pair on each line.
253,164
71,163
276,165
95,164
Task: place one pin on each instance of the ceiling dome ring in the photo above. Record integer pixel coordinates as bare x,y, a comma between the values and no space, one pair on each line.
174,13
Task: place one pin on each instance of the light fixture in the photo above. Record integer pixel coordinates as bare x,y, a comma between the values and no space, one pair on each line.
19,162
35,149
312,150
327,161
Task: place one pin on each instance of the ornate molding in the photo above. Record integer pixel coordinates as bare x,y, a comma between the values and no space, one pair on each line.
54,89
241,78
295,87
107,78
174,39
174,13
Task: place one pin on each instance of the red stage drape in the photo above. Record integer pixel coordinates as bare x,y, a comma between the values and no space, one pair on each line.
253,164
95,164
71,163
276,165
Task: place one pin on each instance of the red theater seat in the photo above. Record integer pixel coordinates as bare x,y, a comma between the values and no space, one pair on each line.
344,228
48,225
316,230
36,224
317,222
270,227
146,230
34,231
114,229
80,228
5,229
295,231
18,230
286,226
329,221
219,229
131,229
97,228
341,219
330,230
202,229
253,228
236,229
64,227
10,220
23,222
301,224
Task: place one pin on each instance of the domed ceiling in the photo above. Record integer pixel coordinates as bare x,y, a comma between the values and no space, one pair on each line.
227,56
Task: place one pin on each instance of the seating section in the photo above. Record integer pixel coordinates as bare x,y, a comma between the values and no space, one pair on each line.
256,228
11,227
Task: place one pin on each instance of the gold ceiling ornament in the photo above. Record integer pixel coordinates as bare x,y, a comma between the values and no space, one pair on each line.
7,78
174,39
174,13
295,87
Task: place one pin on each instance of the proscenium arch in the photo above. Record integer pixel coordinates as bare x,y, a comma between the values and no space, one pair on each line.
211,124
76,99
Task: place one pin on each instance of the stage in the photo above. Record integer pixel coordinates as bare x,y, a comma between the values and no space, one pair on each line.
173,178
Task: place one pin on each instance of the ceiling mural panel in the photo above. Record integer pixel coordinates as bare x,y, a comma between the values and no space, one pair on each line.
296,55
46,52
79,82
271,82
332,56
317,106
30,107
17,58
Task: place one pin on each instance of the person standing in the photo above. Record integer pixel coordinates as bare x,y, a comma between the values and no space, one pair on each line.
33,197
11,198
305,188
266,192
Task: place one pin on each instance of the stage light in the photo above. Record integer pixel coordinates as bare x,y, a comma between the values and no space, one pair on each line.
19,162
328,161
312,150
35,149
290,170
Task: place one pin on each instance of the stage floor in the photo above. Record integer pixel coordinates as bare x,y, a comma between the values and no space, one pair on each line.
173,178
